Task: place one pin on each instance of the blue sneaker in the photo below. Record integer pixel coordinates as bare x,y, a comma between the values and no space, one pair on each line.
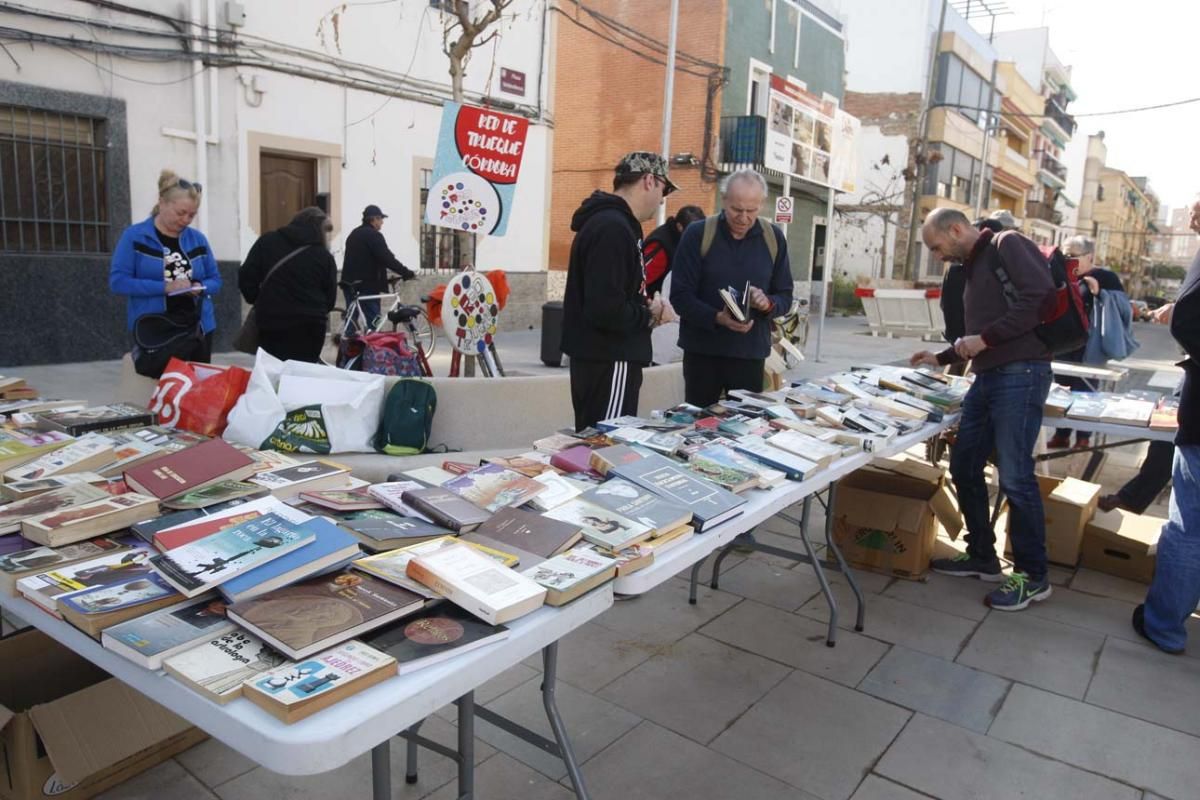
1018,592
965,565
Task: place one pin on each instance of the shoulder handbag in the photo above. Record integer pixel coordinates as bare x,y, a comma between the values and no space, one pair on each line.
247,338
157,338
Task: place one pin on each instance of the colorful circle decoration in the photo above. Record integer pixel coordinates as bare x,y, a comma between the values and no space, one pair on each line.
469,312
465,202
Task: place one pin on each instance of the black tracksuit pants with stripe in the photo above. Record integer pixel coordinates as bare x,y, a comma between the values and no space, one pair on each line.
603,389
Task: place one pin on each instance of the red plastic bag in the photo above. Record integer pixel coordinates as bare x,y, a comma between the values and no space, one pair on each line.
197,397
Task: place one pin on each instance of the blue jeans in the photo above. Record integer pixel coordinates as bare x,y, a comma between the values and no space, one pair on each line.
1002,412
370,308
1175,590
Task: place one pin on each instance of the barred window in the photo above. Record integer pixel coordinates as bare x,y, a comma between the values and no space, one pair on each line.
440,248
53,182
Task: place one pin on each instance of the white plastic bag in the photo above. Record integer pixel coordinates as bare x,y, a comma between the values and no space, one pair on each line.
295,406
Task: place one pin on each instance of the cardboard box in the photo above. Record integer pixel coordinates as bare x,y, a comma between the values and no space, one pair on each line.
1069,505
1122,543
886,516
68,730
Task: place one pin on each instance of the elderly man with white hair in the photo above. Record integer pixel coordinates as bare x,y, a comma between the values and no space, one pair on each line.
729,250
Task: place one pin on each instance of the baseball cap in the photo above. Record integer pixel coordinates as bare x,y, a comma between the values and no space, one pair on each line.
642,162
373,211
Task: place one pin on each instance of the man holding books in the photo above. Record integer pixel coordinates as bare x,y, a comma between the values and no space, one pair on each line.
606,315
733,251
1002,412
1175,590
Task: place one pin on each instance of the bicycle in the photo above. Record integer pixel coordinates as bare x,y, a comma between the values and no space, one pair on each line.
792,330
413,319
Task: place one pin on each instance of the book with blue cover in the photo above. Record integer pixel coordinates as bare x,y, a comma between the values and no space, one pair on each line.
206,563
149,639
710,504
99,607
332,548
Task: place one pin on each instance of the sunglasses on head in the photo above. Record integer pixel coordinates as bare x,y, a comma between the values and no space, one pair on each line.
187,185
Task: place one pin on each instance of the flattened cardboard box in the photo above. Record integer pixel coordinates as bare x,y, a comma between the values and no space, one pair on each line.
1069,505
886,519
1122,543
60,714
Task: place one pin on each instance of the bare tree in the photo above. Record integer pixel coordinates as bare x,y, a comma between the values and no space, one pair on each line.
883,200
462,34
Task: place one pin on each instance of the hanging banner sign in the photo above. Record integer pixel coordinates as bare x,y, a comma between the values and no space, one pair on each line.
809,136
475,172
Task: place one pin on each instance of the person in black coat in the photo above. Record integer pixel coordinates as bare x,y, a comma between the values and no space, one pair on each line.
292,308
367,261
658,249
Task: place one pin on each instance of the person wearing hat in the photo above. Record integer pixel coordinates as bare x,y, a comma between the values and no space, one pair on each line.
367,261
607,316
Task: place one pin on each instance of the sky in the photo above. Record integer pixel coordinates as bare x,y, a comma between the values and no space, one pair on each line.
1127,55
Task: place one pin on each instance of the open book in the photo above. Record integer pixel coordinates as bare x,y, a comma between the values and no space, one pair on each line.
737,303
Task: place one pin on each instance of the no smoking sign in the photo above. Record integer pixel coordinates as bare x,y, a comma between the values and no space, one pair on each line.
783,210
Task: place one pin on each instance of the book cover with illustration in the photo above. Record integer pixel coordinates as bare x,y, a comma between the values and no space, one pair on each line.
570,574
492,487
148,639
642,505
21,490
85,453
709,503
78,494
220,667
44,588
97,418
33,560
220,492
303,474
210,561
318,613
433,635
294,691
117,596
600,525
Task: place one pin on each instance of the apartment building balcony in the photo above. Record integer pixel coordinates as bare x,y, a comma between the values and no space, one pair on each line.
1060,118
1054,169
1035,209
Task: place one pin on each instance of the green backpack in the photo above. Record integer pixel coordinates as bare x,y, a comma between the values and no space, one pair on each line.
407,418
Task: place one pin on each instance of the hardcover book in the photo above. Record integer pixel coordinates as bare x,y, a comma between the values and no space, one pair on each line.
429,476
721,452
391,494
97,418
46,503
131,447
174,474
21,490
525,530
600,525
77,523
208,562
92,610
379,531
434,635
794,466
220,667
446,508
181,529
149,639
318,613
605,458
332,550
710,504
35,560
733,479
492,487
573,459
571,574
641,505
85,453
294,692
343,499
494,593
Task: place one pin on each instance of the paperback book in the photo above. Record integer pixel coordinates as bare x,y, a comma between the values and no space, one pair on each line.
85,453
463,575
118,566
641,505
294,692
571,574
215,494
92,610
392,566
446,508
343,499
24,489
35,560
709,503
309,476
47,503
149,639
600,525
96,419
220,667
331,550
559,489
431,636
20,446
80,522
492,487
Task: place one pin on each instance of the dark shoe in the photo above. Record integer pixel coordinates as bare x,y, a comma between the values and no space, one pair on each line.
1058,443
1139,625
1018,592
965,565
1082,443
744,543
1109,502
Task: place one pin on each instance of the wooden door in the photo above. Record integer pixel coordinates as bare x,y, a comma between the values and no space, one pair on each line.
287,184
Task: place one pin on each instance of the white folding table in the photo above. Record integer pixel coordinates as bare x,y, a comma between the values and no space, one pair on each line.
368,720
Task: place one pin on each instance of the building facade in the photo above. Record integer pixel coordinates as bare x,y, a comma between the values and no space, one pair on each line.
272,106
1121,218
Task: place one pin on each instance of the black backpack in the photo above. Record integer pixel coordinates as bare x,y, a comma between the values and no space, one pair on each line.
1065,326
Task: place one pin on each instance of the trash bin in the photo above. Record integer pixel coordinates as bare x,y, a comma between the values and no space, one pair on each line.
552,320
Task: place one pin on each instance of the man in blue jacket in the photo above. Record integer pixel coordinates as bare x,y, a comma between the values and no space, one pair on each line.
719,352
1175,590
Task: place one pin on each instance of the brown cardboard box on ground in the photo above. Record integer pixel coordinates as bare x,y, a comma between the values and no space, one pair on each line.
1069,505
1122,543
68,730
886,516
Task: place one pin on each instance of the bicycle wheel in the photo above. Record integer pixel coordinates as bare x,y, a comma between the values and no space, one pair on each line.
424,332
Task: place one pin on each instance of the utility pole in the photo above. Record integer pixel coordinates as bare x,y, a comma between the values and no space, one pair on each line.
987,138
669,98
914,223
